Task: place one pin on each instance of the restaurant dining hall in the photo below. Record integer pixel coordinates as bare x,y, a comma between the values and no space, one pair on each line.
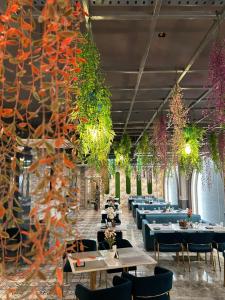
112,149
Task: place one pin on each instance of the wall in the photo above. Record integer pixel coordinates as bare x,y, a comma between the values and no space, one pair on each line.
158,184
209,196
171,187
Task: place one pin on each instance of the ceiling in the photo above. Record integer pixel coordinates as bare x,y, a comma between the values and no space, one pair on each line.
141,68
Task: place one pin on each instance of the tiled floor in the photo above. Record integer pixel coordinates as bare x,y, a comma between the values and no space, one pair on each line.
201,283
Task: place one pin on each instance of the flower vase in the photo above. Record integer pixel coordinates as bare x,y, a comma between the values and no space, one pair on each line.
113,223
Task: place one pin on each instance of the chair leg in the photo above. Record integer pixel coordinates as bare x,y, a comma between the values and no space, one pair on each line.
67,276
158,251
218,257
177,257
189,262
205,257
213,261
183,257
155,249
106,279
100,278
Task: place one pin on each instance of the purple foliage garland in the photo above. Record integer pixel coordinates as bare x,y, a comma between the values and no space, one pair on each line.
216,79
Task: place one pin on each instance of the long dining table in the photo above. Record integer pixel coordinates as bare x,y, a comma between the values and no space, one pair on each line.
93,261
200,227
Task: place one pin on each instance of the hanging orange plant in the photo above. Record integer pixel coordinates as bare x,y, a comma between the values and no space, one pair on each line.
178,115
39,59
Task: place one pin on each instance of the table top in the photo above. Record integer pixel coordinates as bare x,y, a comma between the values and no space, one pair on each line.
101,227
203,227
104,212
160,211
104,260
149,203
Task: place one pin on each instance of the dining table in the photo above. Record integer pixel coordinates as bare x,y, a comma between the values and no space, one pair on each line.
95,261
196,227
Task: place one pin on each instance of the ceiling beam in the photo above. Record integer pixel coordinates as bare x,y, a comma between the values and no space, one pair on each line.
151,71
153,23
209,35
186,88
149,17
87,17
150,101
203,96
153,109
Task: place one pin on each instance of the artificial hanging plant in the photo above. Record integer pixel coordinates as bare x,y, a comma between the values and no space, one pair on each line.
216,79
42,66
216,149
122,153
189,152
111,166
160,141
143,155
178,115
93,101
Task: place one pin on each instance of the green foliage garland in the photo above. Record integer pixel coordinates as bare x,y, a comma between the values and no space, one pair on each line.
117,184
143,149
122,153
193,137
128,185
111,166
94,105
139,187
214,150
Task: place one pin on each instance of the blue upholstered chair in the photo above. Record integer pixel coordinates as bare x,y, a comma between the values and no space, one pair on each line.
156,287
101,236
169,242
219,244
78,246
224,268
120,291
200,242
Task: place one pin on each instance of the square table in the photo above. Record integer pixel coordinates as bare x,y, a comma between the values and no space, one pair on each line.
104,260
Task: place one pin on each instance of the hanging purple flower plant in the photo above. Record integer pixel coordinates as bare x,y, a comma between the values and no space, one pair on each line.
221,149
216,79
160,140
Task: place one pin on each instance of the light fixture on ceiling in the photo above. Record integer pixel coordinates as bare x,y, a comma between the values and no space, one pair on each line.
161,34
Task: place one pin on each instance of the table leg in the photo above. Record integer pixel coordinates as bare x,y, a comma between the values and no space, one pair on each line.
224,270
93,280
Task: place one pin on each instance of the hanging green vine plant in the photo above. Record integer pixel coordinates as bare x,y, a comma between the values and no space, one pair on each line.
143,149
122,153
93,101
111,166
189,151
214,150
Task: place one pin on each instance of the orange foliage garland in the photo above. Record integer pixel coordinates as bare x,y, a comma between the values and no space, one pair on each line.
39,59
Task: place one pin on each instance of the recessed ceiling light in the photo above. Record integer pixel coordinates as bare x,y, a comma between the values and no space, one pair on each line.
161,34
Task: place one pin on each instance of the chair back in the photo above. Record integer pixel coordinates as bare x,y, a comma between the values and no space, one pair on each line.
219,237
199,238
155,287
120,243
169,238
118,292
101,235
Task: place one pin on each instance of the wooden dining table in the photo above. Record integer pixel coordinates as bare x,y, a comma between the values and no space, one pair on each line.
104,260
